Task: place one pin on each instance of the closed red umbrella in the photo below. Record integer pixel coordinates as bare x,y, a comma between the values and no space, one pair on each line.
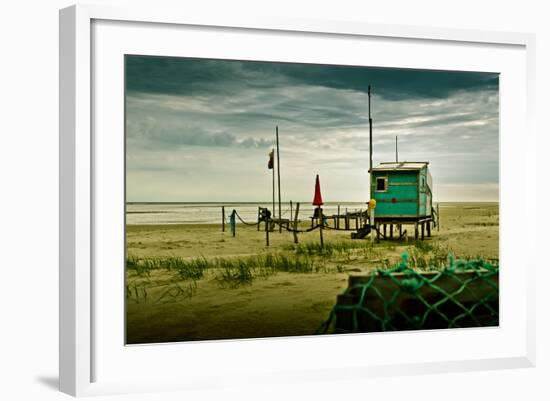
317,199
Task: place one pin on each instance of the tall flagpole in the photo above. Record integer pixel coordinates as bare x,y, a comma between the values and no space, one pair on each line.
273,175
278,176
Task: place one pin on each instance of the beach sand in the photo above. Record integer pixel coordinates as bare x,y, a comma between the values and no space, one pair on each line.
161,307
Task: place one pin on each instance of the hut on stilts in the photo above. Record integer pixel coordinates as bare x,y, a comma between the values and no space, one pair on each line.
402,194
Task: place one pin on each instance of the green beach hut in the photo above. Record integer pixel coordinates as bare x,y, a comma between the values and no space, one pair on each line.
403,194
402,190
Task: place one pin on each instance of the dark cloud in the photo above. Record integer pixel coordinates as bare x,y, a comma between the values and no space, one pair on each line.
188,76
393,84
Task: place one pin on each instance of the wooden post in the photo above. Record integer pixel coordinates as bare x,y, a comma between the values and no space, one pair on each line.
385,231
320,215
338,218
296,223
438,217
400,230
233,222
346,220
223,218
423,224
429,228
290,215
259,216
391,231
415,230
266,231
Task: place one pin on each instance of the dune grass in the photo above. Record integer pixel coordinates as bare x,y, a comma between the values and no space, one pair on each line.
328,249
296,258
229,272
187,269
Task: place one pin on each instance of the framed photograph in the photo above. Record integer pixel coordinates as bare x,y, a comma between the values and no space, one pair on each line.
277,199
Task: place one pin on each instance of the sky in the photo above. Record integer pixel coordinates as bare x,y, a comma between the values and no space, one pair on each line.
200,130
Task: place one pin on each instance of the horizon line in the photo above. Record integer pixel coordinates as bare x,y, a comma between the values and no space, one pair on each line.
285,202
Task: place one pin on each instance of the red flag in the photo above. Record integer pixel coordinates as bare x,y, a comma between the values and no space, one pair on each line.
317,199
270,162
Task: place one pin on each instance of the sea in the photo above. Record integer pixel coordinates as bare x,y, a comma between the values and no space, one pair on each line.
211,213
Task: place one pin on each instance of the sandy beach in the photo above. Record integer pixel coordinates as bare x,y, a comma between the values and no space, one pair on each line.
165,305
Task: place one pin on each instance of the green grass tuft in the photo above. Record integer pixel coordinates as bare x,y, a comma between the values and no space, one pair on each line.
328,249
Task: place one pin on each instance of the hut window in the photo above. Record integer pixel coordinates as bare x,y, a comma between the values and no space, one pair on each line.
381,184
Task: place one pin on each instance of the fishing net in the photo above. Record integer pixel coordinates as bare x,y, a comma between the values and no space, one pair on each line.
461,294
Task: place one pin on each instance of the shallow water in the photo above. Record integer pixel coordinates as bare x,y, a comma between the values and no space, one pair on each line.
211,213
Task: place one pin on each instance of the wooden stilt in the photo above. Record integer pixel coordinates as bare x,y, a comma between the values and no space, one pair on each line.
423,224
223,218
429,228
415,230
385,231
391,231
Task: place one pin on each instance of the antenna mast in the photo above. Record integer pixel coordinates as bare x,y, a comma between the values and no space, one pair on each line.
396,158
370,147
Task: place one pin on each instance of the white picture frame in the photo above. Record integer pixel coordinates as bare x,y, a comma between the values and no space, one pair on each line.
83,352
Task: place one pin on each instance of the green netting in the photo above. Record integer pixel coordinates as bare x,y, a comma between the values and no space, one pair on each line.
461,294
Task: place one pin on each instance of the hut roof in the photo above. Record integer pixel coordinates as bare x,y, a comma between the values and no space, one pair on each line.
399,166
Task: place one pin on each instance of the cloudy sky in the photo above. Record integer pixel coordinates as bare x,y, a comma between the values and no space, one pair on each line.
201,130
